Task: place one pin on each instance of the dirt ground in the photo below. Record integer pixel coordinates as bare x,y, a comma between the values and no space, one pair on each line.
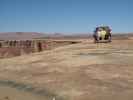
83,71
8,93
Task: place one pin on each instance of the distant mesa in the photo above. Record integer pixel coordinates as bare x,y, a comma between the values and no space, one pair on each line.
35,35
20,35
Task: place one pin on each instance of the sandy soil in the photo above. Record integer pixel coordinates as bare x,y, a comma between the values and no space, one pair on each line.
83,71
8,93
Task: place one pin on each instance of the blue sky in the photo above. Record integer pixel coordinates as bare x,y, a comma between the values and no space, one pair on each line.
66,16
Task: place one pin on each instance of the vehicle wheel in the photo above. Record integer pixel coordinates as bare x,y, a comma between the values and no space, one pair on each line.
110,39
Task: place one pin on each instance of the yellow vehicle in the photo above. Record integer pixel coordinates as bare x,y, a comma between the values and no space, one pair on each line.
102,34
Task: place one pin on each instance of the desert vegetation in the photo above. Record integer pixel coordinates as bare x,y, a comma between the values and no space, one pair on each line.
72,69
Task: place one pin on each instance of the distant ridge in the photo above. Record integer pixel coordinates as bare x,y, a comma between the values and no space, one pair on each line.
37,35
20,35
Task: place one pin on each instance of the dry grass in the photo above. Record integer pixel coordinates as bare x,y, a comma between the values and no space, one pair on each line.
83,71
